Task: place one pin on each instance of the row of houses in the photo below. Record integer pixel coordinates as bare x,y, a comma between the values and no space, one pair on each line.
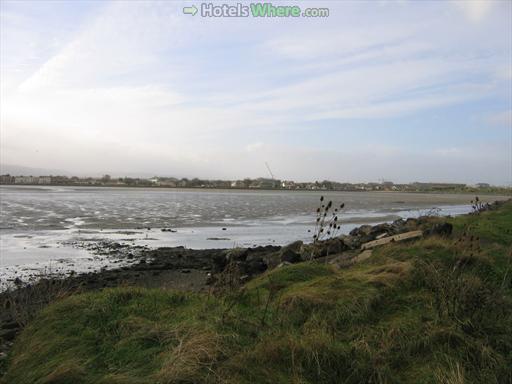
8,179
260,183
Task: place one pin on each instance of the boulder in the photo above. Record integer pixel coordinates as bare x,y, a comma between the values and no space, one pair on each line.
254,266
8,334
290,256
237,254
335,246
219,262
440,229
292,252
324,248
363,230
380,229
351,242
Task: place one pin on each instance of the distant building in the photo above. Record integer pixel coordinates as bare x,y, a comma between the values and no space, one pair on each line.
45,180
238,184
26,180
483,185
264,183
288,184
6,179
438,186
168,183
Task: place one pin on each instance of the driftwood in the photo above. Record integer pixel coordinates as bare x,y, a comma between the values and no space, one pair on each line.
390,239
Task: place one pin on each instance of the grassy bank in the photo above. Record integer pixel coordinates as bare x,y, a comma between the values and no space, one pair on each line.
438,310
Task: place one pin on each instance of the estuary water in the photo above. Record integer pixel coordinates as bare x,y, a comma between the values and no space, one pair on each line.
43,226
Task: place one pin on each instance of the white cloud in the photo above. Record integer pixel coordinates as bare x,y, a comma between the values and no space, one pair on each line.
142,86
475,10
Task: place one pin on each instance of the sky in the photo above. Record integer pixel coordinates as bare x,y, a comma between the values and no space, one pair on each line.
397,90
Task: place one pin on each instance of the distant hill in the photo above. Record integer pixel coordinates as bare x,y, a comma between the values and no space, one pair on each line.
13,169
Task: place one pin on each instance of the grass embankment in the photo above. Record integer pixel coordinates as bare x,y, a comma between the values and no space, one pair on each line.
433,311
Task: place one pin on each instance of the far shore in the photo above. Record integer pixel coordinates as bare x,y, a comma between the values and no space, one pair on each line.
499,191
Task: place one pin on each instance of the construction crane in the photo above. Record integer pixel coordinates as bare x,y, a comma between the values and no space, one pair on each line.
269,171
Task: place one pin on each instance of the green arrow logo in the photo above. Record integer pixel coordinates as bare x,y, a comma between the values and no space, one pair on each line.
190,10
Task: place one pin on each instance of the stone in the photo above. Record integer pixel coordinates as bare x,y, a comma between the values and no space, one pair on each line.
237,254
335,246
10,325
219,262
292,252
351,242
255,266
380,229
441,229
290,256
8,334
363,230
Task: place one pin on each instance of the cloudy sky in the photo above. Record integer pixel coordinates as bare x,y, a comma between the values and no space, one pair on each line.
400,90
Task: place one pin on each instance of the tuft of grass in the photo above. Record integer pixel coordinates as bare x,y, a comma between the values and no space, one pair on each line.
438,310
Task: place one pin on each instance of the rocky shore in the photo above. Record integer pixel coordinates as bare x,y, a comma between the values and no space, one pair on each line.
197,270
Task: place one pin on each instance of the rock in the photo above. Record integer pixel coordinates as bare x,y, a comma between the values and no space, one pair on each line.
10,325
291,252
398,226
295,246
441,229
363,230
283,264
185,271
219,262
380,229
290,256
255,266
411,224
335,246
272,259
237,254
351,242
8,334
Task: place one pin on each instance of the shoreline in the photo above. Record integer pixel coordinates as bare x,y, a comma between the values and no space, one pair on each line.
83,250
179,268
501,192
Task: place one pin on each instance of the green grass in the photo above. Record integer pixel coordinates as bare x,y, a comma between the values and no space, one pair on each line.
433,311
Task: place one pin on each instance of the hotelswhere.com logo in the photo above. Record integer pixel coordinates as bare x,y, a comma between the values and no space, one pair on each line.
253,10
